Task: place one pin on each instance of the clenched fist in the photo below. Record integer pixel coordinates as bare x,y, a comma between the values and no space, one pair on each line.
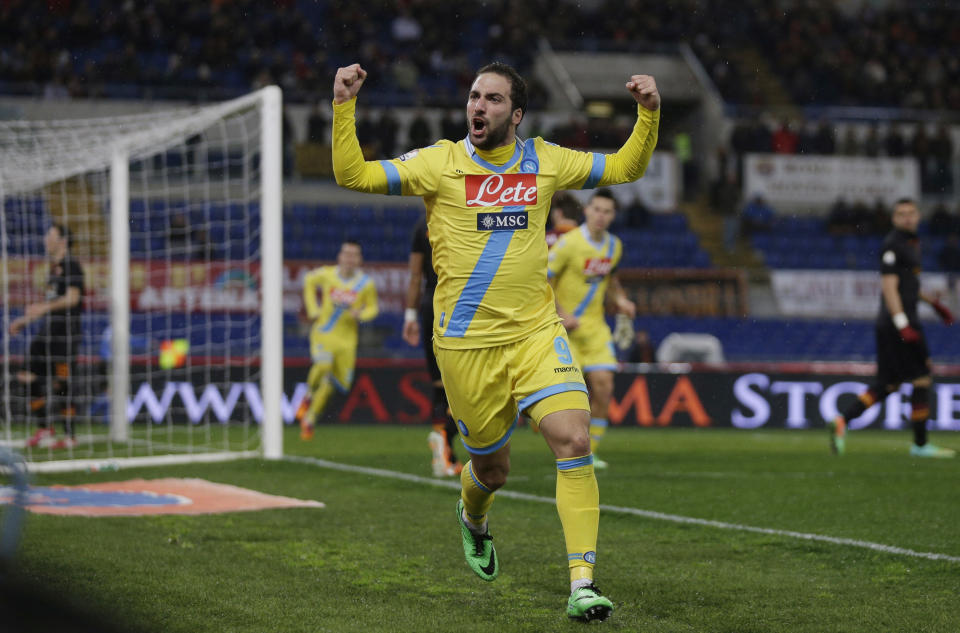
347,83
644,90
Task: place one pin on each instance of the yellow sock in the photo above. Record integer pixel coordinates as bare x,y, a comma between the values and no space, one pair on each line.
578,504
598,428
318,372
477,498
319,400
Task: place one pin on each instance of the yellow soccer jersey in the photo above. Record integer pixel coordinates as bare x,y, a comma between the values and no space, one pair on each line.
487,220
581,269
329,298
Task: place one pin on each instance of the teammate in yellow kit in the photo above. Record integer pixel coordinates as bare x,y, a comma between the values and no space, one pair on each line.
582,268
337,298
498,341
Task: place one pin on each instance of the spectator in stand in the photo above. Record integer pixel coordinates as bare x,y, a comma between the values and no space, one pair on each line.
419,133
741,138
949,256
638,214
895,144
317,125
405,74
405,28
850,145
453,126
642,350
824,139
920,149
387,127
757,216
941,151
872,144
805,138
940,221
727,205
367,136
877,220
840,219
785,140
861,218
762,136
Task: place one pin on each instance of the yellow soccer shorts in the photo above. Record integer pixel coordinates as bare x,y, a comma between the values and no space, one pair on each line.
592,345
337,351
488,387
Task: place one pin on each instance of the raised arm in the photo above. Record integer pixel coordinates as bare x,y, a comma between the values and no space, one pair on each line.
631,160
349,167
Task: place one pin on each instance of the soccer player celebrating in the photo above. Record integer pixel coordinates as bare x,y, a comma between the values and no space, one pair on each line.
347,298
499,343
54,347
582,267
418,316
902,354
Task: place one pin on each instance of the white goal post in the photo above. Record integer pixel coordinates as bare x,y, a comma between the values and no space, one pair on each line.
177,220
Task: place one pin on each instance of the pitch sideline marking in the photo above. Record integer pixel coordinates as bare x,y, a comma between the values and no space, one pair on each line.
649,514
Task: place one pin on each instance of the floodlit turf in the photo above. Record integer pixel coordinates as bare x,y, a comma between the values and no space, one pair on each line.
385,554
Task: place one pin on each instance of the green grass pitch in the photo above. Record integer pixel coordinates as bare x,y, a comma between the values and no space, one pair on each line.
385,554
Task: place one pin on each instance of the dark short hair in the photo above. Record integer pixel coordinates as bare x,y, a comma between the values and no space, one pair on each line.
569,206
904,201
606,193
351,242
64,232
518,87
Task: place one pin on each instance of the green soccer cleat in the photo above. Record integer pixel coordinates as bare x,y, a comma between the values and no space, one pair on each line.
838,436
929,450
478,549
587,604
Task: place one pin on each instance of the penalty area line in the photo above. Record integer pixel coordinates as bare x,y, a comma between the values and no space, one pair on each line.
648,514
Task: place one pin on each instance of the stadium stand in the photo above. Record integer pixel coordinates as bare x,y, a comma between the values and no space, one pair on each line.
807,243
198,51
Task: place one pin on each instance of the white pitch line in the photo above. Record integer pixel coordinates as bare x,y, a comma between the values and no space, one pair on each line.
649,514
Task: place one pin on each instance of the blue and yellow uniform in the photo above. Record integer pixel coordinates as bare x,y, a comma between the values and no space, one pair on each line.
330,302
487,213
581,269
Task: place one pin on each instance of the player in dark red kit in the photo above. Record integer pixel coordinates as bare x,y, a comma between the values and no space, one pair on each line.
417,325
54,348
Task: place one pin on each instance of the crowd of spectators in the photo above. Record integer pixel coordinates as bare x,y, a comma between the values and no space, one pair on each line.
901,55
931,146
425,51
858,218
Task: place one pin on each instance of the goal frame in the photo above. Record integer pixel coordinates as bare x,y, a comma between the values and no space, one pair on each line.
271,301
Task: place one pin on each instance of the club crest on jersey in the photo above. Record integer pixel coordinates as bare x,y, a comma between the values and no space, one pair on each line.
343,296
597,266
505,221
501,190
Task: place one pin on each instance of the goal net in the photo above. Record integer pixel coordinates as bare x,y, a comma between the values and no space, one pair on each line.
166,226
